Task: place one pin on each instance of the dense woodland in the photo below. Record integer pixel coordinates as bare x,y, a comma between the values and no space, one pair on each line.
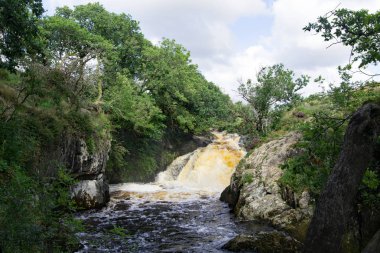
91,73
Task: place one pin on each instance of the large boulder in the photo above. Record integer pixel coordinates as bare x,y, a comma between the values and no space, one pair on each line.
91,193
255,194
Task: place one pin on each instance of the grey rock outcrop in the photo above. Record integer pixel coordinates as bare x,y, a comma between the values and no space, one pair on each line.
91,190
91,193
255,194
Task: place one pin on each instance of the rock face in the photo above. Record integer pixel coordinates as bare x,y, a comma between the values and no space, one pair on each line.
88,168
79,160
254,192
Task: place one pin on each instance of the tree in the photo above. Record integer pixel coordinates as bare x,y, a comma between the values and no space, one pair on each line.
359,30
128,108
71,48
18,30
276,86
187,99
119,29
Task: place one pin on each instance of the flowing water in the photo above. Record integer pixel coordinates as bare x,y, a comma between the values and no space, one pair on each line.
179,212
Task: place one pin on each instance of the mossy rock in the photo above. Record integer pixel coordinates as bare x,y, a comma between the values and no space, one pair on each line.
264,242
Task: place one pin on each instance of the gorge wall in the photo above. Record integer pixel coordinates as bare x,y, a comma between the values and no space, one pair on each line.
82,159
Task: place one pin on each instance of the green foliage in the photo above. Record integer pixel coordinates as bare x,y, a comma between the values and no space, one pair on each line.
247,178
119,231
186,99
299,174
36,208
370,190
371,180
322,140
116,160
129,109
244,121
120,30
34,215
323,130
358,29
144,89
18,30
275,88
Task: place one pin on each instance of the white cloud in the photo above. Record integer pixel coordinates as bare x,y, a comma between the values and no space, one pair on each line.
202,26
303,52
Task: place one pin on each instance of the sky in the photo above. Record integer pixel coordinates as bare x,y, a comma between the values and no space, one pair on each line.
231,40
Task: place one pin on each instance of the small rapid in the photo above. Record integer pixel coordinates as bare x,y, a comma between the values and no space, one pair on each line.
179,212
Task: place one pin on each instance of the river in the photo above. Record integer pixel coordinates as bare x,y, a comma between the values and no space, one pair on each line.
179,212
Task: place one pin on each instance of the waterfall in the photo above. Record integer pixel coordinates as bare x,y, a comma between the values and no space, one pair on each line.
179,212
208,169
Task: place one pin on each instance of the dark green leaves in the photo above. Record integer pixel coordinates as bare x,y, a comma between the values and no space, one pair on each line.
18,30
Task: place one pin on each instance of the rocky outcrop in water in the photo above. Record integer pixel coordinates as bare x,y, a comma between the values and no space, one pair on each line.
254,192
88,167
264,242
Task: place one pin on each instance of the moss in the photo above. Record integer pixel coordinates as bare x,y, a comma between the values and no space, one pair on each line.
247,178
299,229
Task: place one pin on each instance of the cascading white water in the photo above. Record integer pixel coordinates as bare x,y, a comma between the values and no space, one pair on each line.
208,169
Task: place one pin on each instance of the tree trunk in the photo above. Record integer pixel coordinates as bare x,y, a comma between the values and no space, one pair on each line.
336,203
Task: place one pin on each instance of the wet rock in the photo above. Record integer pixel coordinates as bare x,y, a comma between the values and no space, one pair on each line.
202,141
230,196
264,242
81,161
174,168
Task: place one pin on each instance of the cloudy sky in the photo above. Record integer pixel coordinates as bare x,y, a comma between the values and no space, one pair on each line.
231,40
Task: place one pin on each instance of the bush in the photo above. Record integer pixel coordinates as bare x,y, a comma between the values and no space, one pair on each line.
36,216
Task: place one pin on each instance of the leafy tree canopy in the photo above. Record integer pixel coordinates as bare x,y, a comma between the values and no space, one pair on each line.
358,29
119,29
18,30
